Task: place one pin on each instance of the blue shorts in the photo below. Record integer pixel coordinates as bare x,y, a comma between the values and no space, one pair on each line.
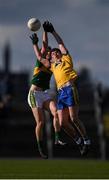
67,97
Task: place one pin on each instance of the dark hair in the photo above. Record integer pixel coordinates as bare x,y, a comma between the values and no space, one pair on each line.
49,48
56,49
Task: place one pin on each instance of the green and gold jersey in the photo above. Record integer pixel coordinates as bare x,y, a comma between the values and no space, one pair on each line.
41,76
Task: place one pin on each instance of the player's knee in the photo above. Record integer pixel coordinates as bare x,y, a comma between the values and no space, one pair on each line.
55,114
40,124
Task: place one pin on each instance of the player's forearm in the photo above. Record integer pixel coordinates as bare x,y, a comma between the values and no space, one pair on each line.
60,42
45,62
37,52
57,37
45,38
44,42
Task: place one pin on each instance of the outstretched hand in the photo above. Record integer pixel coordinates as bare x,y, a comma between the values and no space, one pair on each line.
48,27
34,38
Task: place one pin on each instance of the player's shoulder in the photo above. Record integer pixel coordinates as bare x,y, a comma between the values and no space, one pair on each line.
66,55
38,64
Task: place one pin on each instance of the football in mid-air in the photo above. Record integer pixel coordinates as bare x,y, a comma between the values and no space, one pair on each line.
34,24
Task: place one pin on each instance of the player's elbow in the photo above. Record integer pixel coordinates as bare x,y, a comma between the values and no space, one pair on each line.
39,57
46,63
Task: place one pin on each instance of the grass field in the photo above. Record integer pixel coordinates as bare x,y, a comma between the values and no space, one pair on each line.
53,169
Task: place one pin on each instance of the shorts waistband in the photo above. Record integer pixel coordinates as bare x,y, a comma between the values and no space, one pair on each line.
65,85
36,88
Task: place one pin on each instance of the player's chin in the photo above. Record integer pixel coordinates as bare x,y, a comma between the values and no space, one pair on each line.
52,60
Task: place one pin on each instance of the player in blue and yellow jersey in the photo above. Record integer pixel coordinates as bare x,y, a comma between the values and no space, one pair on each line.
65,76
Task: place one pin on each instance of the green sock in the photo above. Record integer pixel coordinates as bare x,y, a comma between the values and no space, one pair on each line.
56,136
41,149
39,143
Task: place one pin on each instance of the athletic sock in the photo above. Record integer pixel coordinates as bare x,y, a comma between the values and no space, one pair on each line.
39,143
56,136
41,149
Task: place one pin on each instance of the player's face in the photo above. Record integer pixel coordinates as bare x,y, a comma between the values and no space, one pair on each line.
55,55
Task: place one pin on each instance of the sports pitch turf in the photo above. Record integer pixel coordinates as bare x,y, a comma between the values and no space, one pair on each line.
53,169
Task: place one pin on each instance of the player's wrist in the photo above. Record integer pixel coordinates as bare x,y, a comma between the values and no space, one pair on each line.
34,39
53,32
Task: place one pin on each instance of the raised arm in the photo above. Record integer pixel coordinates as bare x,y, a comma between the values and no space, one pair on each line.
57,38
44,38
60,42
37,51
44,42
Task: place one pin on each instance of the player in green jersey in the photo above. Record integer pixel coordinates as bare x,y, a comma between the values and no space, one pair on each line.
39,98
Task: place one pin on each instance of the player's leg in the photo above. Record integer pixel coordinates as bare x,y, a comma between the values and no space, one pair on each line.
82,129
50,105
35,103
39,119
63,114
73,111
57,127
67,126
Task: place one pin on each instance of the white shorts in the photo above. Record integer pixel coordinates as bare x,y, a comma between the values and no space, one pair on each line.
37,98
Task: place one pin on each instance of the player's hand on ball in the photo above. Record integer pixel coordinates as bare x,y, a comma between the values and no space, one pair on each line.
34,38
48,27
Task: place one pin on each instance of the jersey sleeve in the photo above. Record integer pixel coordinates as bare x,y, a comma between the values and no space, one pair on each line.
68,58
38,63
